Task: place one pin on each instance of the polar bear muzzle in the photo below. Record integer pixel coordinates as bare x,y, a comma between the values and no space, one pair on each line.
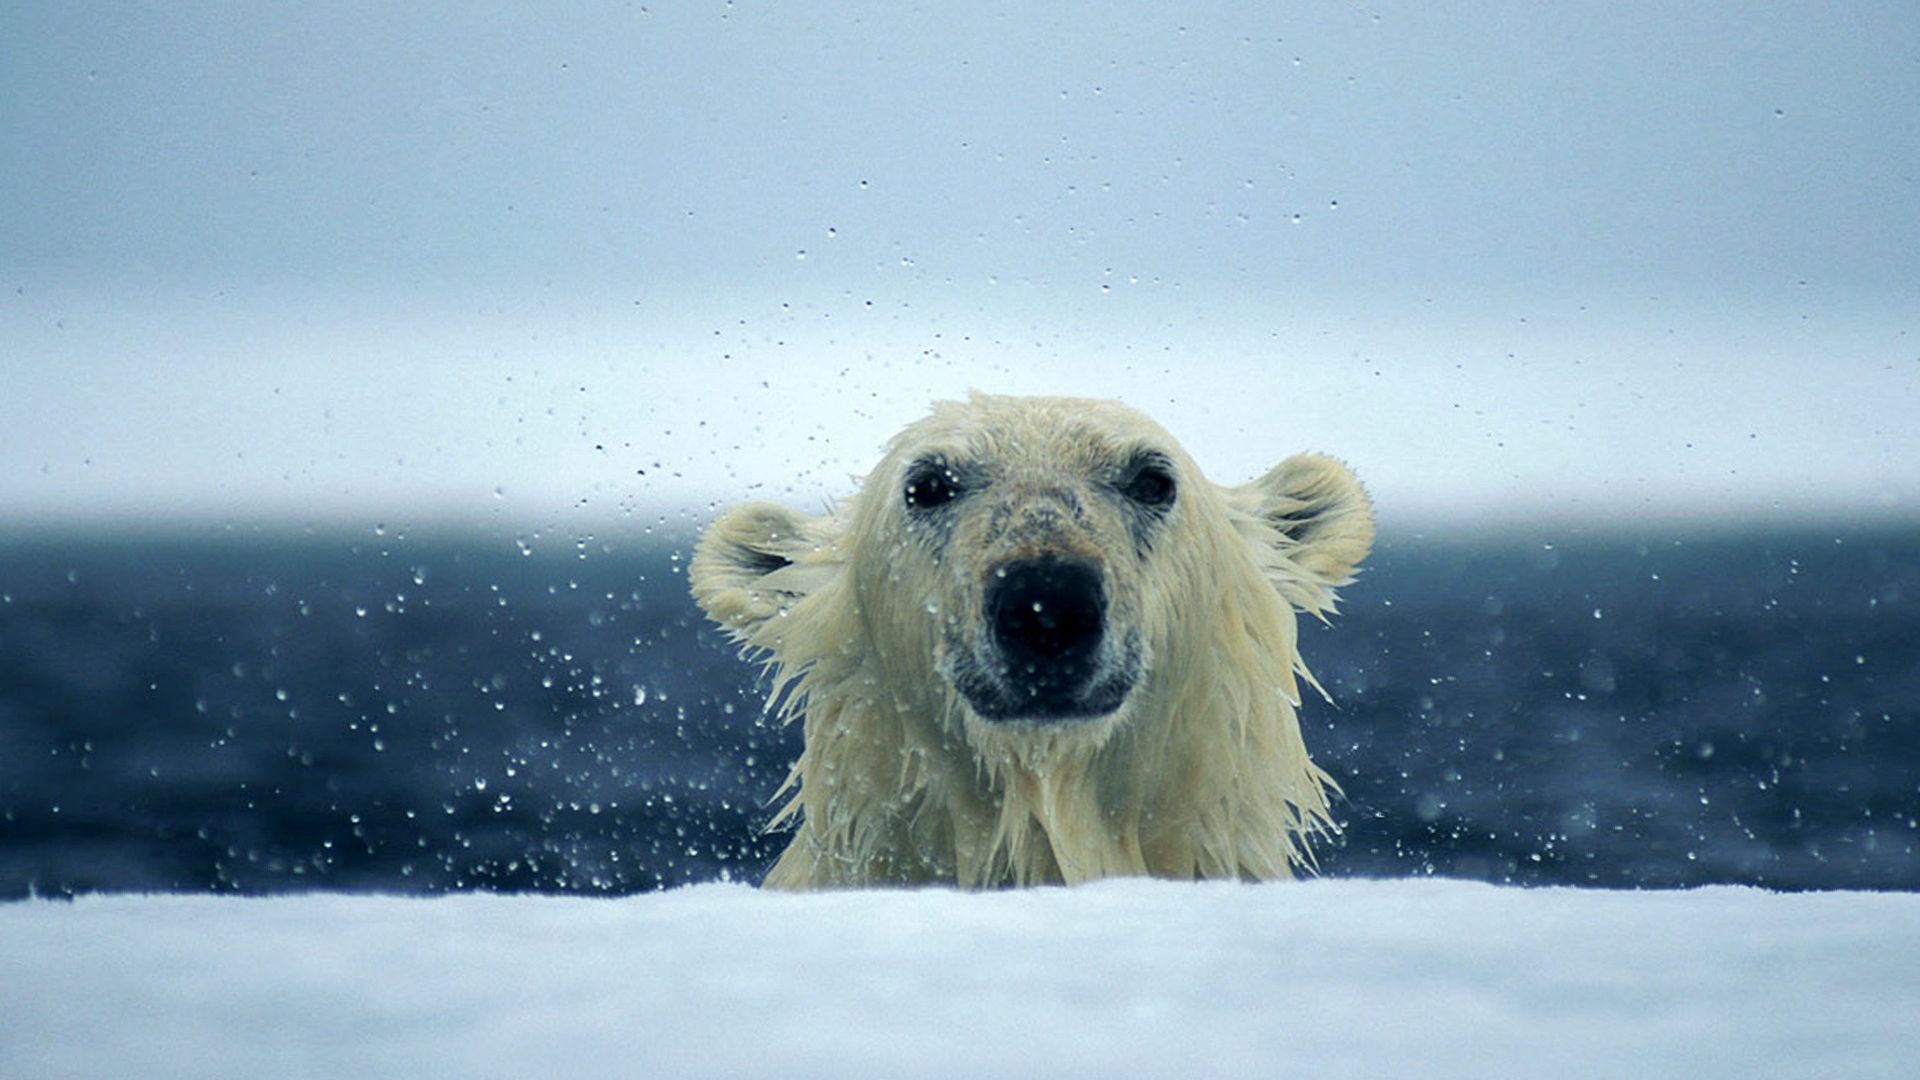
1042,653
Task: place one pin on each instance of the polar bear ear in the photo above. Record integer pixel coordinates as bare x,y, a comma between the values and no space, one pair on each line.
757,561
1324,523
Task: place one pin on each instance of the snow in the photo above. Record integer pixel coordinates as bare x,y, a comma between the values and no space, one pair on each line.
1123,978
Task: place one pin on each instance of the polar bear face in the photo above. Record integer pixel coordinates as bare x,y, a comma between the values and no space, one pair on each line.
1028,534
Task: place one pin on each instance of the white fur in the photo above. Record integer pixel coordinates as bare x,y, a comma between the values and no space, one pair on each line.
1201,773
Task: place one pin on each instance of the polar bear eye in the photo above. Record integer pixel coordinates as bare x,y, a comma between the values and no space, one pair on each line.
1151,485
931,485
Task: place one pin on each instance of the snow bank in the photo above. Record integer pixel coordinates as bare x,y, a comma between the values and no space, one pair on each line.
1123,978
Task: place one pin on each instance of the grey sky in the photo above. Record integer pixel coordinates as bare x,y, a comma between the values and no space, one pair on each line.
359,260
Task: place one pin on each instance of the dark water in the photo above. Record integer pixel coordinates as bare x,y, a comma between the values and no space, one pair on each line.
265,713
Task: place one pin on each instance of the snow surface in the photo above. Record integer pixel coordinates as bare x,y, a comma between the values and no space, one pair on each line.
1123,978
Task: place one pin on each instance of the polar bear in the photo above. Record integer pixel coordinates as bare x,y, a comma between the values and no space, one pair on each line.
1038,646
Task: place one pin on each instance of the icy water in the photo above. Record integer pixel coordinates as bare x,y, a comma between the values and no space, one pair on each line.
263,713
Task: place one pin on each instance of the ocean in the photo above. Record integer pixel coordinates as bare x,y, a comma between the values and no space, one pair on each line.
248,711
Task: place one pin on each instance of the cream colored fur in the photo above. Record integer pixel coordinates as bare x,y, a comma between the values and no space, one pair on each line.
1201,773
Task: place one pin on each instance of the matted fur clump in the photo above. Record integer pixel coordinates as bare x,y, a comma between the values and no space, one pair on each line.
1039,646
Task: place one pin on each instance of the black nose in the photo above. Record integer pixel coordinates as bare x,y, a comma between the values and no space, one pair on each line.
1047,615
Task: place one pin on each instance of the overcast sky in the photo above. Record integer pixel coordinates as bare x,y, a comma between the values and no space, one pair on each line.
530,262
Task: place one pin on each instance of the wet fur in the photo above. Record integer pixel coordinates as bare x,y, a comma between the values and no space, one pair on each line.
1201,773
